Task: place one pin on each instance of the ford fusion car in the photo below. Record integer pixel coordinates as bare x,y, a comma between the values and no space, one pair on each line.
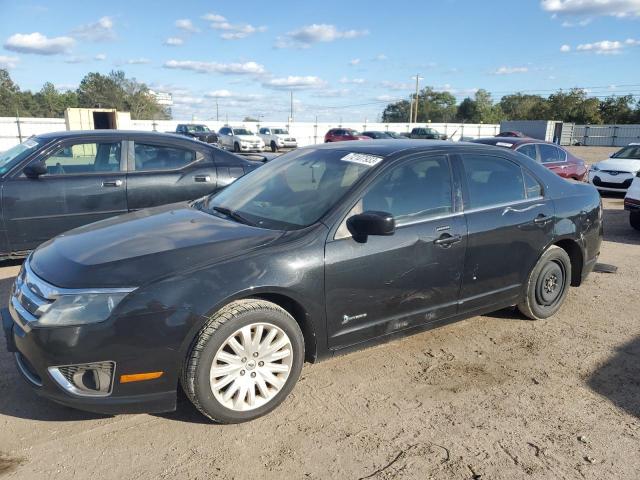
59,181
322,251
617,172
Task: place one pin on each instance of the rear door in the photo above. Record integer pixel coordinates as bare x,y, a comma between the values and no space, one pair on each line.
555,159
509,221
85,183
162,172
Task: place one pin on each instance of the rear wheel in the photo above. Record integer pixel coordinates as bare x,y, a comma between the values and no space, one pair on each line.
548,284
244,362
236,147
634,220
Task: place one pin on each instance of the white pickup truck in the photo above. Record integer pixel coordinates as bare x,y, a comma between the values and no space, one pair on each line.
277,138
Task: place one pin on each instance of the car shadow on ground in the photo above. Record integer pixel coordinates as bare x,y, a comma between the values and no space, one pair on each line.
618,379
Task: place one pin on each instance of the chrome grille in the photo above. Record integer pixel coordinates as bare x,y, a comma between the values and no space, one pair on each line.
69,371
30,296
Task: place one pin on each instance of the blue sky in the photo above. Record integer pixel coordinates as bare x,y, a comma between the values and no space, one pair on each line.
342,59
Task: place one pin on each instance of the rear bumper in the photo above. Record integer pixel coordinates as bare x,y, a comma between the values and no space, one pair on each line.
35,352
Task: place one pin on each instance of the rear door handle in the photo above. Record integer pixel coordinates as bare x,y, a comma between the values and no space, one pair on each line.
112,183
541,219
202,178
446,240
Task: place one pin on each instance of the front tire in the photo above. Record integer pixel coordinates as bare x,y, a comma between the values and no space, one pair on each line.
274,147
244,362
634,220
548,284
236,147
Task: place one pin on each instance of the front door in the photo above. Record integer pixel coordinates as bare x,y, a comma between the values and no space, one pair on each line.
410,278
161,173
84,183
509,222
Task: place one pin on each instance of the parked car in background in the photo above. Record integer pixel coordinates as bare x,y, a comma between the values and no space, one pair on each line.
54,182
552,156
277,138
512,133
239,139
424,133
616,173
343,134
632,202
197,131
377,134
395,135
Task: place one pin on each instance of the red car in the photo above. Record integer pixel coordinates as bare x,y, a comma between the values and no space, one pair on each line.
343,134
552,156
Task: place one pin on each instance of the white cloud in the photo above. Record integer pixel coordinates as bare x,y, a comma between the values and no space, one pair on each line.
219,94
8,62
582,23
306,36
333,93
632,42
386,98
186,100
355,81
99,31
604,47
247,68
214,17
565,48
100,57
295,82
138,61
381,57
235,32
236,97
615,8
75,59
510,70
354,62
186,25
396,85
173,41
38,44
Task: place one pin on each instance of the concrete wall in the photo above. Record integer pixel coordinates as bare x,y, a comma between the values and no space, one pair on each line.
307,133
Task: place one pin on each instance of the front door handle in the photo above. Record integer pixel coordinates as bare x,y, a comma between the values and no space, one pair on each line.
446,240
202,178
112,183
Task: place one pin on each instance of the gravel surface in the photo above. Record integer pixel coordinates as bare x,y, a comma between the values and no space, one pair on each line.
496,397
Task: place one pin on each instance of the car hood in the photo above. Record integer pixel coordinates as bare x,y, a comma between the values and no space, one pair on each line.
620,164
249,138
282,135
134,249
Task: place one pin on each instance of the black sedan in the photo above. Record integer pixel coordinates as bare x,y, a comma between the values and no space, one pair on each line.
198,132
58,181
321,251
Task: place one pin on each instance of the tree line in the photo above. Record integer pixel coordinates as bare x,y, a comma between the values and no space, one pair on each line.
574,105
96,90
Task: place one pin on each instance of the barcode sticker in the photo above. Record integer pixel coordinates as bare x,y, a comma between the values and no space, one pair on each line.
504,144
362,159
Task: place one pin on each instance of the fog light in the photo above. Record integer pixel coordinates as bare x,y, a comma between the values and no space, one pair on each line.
85,380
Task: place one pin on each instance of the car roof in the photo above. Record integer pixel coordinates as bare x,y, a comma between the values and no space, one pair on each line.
106,133
513,140
386,147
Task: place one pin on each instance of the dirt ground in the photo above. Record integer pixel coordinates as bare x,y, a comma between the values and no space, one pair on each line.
492,397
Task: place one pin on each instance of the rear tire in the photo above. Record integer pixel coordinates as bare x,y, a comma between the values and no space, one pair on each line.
634,220
236,147
238,346
547,285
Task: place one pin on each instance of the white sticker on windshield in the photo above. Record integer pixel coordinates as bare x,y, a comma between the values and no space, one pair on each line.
504,144
30,143
362,159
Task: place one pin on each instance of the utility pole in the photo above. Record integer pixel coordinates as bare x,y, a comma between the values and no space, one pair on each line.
291,116
217,112
417,99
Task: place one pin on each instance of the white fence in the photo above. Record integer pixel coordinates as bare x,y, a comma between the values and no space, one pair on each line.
604,135
307,133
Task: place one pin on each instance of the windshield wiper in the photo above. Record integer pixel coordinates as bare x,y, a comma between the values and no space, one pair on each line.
233,215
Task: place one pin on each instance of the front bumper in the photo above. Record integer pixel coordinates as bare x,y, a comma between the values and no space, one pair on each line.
40,348
251,148
610,183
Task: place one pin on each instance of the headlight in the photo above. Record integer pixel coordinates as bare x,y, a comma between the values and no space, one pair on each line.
80,309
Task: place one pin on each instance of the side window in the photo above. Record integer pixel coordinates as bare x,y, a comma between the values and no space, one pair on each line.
533,187
223,131
91,157
492,181
417,190
159,157
550,154
529,150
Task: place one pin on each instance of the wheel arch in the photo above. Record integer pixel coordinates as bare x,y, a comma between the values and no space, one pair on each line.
576,256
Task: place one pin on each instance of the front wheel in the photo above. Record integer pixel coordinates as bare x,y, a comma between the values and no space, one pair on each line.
274,147
548,284
236,147
634,220
244,362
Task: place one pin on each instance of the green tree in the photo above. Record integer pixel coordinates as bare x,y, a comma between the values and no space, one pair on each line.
574,106
524,107
102,91
436,106
9,95
617,109
396,112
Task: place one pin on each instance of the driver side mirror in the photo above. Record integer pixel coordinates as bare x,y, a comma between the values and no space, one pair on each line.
35,169
371,223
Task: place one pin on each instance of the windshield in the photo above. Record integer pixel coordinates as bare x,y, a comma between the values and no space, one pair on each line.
241,131
279,131
198,128
15,154
394,135
632,152
353,133
292,192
